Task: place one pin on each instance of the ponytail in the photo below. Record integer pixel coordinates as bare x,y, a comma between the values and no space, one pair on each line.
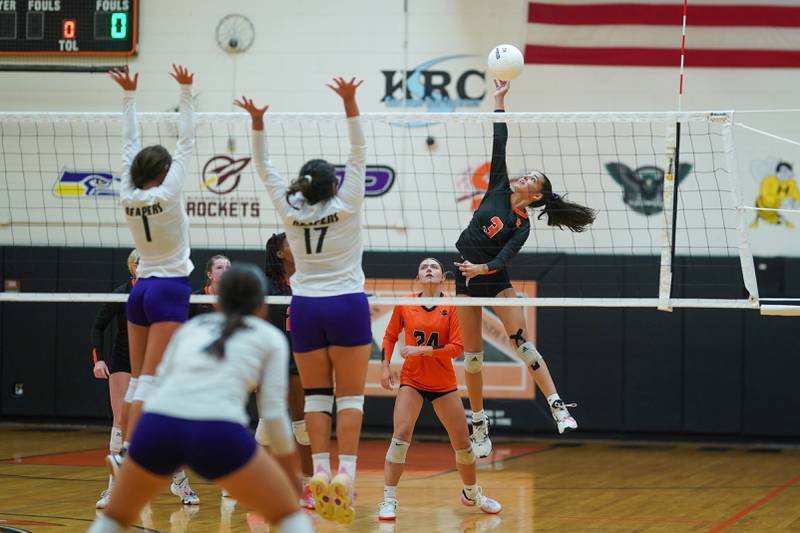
241,293
316,182
233,322
561,212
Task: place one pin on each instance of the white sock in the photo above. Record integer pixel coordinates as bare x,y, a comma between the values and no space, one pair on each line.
552,399
104,524
178,477
110,482
322,462
478,416
125,446
389,492
347,465
471,491
115,442
297,522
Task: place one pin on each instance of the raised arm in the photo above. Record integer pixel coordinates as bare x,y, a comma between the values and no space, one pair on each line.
275,183
351,192
173,182
131,143
498,175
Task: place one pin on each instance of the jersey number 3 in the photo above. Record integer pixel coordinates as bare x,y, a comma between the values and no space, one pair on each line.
322,231
495,228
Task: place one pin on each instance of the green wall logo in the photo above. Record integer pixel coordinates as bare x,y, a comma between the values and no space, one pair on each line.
643,188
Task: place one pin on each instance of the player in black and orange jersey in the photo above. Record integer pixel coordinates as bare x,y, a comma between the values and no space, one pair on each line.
433,340
279,268
216,266
118,369
497,231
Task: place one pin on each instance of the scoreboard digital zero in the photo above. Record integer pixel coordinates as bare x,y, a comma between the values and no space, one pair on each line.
68,27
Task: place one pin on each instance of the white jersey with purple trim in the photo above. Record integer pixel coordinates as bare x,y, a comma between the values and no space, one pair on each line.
325,238
196,385
156,216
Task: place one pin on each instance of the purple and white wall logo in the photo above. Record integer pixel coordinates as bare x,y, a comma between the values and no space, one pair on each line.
379,179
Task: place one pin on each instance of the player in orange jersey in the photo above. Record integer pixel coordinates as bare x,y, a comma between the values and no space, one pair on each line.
216,266
435,340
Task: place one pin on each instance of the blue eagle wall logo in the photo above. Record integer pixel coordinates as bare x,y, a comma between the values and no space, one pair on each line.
643,188
77,184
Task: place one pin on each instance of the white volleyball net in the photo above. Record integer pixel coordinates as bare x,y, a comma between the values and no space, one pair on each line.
425,176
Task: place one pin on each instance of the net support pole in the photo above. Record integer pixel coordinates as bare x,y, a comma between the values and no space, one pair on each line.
745,253
670,190
669,215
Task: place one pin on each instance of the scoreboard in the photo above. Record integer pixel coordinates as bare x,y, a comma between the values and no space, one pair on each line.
68,27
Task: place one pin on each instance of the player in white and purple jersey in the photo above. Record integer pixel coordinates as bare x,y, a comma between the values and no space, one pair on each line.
152,195
197,414
331,329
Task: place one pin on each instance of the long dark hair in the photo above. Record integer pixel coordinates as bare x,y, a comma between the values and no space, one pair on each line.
241,292
149,164
316,181
560,211
274,265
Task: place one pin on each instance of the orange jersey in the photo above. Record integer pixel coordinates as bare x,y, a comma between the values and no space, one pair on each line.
437,327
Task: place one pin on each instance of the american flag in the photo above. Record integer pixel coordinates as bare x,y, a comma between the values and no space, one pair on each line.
731,33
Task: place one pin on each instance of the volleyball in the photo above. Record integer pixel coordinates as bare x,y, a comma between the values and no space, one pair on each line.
505,62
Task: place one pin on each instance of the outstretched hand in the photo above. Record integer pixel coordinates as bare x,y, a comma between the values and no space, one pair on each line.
345,89
182,74
256,113
248,105
501,88
123,78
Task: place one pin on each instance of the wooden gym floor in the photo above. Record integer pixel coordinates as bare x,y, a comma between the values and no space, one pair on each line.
51,477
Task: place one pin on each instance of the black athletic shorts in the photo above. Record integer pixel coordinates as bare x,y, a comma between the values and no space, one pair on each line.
484,286
120,362
429,395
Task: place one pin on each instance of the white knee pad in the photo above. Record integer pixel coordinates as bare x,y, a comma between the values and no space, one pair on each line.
350,402
397,451
530,355
319,403
473,362
132,383
115,442
262,433
301,432
465,457
144,388
275,433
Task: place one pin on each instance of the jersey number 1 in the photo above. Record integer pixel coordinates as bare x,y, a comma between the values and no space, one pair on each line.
322,231
146,229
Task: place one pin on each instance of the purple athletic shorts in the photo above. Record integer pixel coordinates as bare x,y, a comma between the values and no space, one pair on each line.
320,321
159,300
163,444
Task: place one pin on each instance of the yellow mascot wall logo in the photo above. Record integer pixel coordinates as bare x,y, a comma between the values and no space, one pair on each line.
777,186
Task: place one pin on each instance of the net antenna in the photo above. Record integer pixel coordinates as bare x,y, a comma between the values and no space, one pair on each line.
670,199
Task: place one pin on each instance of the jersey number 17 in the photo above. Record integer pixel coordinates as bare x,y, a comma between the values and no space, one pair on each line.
322,231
